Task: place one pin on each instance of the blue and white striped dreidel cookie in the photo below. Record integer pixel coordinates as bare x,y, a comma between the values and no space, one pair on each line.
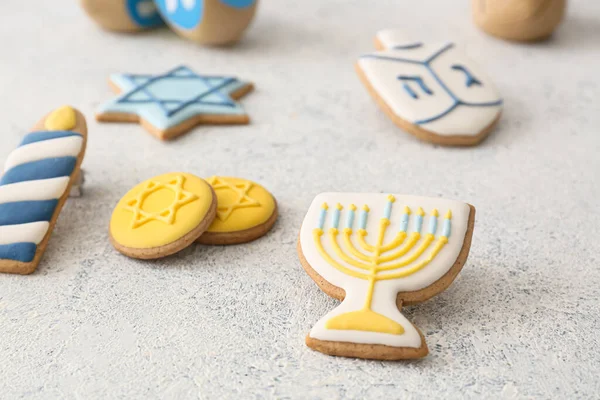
38,176
210,22
123,15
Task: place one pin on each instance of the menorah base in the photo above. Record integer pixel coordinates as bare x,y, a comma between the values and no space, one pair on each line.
365,320
368,351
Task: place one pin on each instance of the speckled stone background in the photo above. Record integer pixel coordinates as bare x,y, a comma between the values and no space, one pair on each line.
521,321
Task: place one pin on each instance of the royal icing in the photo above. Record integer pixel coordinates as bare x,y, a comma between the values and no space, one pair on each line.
374,246
37,174
160,210
172,98
188,14
242,204
433,86
144,13
63,118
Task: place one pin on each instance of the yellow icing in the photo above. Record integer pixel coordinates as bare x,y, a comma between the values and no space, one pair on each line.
160,210
370,260
61,119
242,204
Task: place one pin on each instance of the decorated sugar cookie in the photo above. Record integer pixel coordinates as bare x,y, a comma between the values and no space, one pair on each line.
520,20
432,91
162,215
38,176
171,104
245,211
212,22
377,252
123,15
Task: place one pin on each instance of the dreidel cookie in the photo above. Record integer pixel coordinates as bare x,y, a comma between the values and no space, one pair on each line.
211,22
520,20
123,15
377,253
170,104
245,212
432,91
38,176
162,215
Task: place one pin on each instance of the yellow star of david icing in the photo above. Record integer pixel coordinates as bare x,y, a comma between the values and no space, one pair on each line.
160,210
242,204
167,215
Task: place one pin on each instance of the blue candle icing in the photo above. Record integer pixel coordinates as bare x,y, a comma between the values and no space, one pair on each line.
350,218
336,218
172,98
362,223
404,223
446,228
23,252
418,223
432,224
322,215
387,213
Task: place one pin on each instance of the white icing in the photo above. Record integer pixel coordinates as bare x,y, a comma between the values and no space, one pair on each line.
188,4
384,297
61,147
391,37
172,5
33,232
44,189
383,75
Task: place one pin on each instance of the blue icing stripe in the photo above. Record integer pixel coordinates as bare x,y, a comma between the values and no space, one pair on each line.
181,16
144,13
41,136
238,3
23,252
24,212
42,169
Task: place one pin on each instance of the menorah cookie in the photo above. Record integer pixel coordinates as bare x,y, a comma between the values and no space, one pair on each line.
211,22
123,15
245,212
432,91
171,104
419,245
162,215
38,176
519,20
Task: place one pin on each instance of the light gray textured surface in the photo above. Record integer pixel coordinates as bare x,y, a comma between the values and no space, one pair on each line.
521,321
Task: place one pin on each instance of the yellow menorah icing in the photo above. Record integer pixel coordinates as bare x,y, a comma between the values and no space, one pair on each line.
371,260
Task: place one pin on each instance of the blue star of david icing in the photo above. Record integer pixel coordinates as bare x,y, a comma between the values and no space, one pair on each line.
172,98
188,14
435,87
144,13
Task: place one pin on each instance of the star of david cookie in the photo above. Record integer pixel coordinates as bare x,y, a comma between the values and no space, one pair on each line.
377,253
162,215
245,212
123,15
38,176
171,104
432,91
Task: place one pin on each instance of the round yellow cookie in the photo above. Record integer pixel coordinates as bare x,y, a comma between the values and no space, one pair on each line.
162,215
245,211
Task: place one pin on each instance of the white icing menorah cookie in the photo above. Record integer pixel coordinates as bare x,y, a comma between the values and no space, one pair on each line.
432,91
123,15
519,20
211,22
38,176
378,252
